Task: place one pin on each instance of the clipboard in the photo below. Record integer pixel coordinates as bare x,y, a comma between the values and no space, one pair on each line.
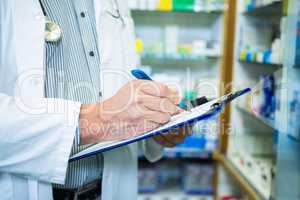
199,113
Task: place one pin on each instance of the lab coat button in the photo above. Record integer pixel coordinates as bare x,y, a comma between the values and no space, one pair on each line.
92,54
82,14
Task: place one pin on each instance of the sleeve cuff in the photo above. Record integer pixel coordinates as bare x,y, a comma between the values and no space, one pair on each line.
68,133
152,150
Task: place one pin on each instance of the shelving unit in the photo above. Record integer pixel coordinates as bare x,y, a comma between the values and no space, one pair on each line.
251,135
178,45
152,29
288,160
261,143
255,147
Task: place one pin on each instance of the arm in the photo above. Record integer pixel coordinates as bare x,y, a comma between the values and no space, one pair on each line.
42,139
37,145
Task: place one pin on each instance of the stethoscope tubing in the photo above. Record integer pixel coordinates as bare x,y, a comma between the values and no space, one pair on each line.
118,14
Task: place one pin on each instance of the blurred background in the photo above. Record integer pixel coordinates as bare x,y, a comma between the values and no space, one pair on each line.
209,48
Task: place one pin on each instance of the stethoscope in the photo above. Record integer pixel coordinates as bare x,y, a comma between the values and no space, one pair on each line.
117,14
53,31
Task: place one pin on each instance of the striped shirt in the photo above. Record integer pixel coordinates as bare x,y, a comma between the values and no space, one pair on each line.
73,71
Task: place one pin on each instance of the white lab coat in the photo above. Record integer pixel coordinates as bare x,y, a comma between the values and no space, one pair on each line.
22,74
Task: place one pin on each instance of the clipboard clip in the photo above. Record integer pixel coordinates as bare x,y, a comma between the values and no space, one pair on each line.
229,97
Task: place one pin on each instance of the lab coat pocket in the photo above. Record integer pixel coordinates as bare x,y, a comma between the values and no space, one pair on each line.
28,25
28,29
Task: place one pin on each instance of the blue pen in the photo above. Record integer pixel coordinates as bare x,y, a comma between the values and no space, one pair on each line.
139,74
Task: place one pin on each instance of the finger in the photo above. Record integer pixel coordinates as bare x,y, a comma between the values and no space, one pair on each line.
174,138
157,117
159,104
134,130
173,95
159,90
189,130
146,126
162,141
150,115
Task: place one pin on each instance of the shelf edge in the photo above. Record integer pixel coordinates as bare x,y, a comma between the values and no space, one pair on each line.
244,184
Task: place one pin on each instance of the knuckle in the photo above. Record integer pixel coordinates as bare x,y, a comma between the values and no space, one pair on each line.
162,104
163,90
164,118
173,109
139,99
136,82
170,107
154,125
177,95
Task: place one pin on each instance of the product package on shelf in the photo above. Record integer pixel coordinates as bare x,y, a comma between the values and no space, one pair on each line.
261,42
268,104
259,171
193,179
297,62
147,180
200,145
263,100
171,49
198,179
250,5
177,5
184,5
294,112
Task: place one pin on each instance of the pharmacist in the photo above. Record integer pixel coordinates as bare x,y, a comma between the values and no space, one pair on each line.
83,57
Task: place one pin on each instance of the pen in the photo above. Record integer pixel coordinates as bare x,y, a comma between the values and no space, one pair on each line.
139,74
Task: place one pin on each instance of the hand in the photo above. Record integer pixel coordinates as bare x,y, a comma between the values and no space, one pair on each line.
174,137
140,106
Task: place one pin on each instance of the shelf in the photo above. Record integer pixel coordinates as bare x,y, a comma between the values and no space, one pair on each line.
184,153
178,59
248,186
260,119
173,194
253,180
261,63
179,153
141,11
259,58
274,7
